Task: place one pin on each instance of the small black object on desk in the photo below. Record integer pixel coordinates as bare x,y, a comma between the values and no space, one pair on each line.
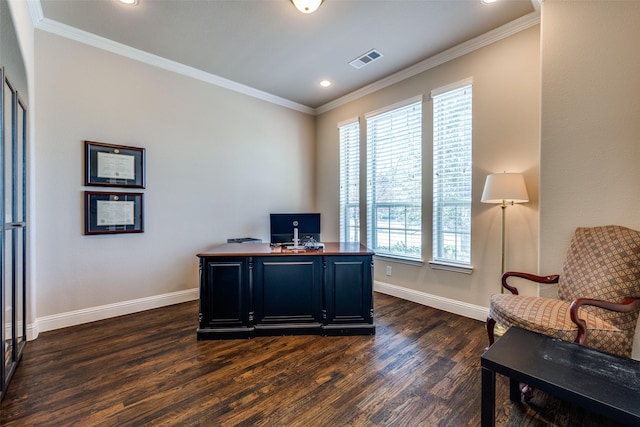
244,240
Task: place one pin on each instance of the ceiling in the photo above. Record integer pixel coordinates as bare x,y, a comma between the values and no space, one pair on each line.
270,46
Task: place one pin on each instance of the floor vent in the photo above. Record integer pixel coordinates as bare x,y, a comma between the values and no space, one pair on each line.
365,59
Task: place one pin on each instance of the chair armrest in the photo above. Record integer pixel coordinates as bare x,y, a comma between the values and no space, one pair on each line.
627,305
531,277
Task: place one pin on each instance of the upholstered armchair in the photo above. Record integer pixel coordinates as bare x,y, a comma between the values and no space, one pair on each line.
598,290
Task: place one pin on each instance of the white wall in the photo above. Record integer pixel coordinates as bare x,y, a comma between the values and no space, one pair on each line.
217,163
506,99
576,133
590,127
590,132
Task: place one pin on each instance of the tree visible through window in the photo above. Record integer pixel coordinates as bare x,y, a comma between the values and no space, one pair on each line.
394,181
452,131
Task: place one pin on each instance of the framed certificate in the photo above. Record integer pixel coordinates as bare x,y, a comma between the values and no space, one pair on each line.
114,165
109,213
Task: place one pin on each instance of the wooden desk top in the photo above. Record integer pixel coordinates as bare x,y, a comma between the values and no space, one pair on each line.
265,249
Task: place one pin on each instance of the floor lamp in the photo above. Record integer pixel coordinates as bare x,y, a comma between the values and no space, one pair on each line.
506,189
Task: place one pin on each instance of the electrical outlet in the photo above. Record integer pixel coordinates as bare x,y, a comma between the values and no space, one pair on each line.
389,270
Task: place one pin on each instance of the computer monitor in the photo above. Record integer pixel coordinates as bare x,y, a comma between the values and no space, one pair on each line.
283,225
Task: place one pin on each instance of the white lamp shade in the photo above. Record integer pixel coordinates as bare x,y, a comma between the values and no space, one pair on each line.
307,6
505,187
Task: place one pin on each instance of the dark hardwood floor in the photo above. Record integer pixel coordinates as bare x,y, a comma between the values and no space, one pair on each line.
422,368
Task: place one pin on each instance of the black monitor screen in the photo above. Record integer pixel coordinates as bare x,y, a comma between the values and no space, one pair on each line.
282,225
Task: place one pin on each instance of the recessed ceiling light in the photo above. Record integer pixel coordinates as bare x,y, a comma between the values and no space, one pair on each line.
129,2
325,83
488,1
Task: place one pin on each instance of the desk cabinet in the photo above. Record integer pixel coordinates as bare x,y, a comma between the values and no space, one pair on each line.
253,289
287,294
224,296
348,293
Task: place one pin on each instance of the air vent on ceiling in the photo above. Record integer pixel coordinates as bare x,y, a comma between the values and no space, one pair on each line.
366,59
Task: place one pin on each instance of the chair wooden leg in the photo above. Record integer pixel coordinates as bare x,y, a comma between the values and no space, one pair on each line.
491,324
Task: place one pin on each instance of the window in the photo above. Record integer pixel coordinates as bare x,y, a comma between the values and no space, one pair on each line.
452,173
349,181
394,181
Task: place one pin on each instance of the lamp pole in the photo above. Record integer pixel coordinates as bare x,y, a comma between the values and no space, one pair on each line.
503,206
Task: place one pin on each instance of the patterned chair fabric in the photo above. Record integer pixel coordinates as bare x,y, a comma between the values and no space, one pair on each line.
602,263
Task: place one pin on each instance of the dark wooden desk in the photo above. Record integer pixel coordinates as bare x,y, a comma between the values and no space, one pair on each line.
249,289
603,383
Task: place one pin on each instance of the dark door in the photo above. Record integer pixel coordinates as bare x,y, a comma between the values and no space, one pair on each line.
13,116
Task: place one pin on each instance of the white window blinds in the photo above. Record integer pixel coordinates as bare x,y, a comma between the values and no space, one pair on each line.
394,181
349,181
452,132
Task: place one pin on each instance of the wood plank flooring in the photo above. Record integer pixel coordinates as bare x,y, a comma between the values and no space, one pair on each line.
422,368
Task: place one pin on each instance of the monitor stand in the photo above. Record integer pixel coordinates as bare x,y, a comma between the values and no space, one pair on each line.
317,245
297,246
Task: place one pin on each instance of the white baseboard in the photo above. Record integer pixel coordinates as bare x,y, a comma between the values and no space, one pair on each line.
446,304
86,315
78,317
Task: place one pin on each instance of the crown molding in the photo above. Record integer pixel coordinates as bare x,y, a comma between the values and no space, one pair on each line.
35,12
481,41
72,33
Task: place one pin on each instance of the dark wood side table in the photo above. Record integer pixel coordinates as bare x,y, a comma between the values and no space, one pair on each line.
603,383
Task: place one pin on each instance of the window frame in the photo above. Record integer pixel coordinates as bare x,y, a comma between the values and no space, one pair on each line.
462,262
346,203
411,209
